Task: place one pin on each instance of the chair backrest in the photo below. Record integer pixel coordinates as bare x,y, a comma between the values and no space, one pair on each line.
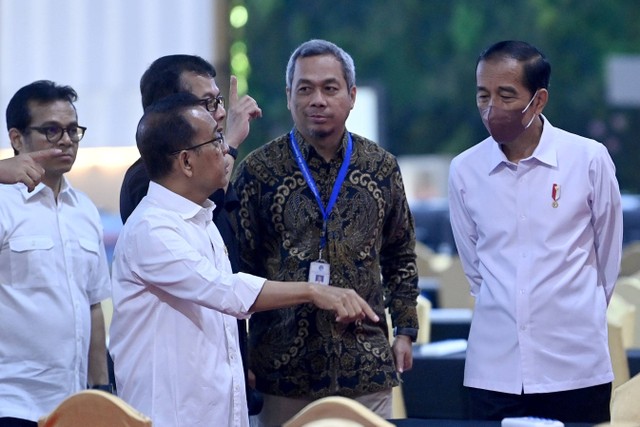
629,289
423,308
96,409
424,319
618,354
623,313
454,287
625,402
630,260
336,411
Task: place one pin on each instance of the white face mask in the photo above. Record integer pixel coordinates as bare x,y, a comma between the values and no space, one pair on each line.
505,125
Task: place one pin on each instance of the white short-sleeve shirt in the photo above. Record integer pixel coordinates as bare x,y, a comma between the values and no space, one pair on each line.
53,267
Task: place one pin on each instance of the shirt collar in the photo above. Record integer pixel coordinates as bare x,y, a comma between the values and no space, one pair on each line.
67,192
546,151
184,207
309,152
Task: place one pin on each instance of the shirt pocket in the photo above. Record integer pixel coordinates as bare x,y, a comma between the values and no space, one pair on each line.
87,259
30,259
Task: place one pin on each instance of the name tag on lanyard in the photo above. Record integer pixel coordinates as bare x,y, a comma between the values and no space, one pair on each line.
319,271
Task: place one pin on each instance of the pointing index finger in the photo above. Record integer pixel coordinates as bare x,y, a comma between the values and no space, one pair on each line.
39,156
233,89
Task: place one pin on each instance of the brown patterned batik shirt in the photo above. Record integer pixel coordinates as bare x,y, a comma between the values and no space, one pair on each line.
302,350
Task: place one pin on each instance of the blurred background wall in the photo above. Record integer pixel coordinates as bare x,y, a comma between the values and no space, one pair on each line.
415,63
100,48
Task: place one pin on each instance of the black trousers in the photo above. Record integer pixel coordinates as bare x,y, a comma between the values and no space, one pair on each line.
17,422
584,405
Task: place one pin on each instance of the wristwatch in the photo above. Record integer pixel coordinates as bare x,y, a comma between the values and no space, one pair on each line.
233,152
410,332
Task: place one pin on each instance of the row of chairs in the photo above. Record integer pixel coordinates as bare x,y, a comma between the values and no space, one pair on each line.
99,409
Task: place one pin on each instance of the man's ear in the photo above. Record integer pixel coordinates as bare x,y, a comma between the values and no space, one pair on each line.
541,101
352,95
16,139
184,163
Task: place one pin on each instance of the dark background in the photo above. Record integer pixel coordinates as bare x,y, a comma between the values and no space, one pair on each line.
421,55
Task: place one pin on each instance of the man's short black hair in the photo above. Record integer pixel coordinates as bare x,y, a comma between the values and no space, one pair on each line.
537,70
42,91
162,78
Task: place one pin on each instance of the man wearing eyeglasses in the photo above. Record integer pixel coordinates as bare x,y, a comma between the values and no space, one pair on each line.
173,74
174,336
189,73
53,267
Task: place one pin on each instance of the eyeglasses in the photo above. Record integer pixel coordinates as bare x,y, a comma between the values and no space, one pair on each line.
218,142
211,104
54,133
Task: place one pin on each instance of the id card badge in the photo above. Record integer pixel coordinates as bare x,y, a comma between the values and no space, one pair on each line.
319,272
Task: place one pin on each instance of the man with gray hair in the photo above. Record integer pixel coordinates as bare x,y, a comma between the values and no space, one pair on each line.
325,205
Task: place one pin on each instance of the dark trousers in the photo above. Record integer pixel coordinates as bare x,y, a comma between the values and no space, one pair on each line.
584,405
16,422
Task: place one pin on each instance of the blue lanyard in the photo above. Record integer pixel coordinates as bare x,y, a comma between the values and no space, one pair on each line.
342,174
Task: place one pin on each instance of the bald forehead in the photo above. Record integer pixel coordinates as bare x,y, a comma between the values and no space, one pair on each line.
200,118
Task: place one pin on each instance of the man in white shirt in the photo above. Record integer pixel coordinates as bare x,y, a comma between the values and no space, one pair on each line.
53,267
174,336
537,219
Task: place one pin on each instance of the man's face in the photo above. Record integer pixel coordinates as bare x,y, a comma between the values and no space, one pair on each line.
499,83
204,87
208,162
57,113
318,99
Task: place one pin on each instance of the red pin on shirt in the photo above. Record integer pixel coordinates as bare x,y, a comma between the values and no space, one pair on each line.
555,195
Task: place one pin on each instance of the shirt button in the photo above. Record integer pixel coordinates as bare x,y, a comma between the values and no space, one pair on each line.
523,328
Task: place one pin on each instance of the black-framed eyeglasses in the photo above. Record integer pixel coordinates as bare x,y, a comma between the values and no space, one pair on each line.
54,133
218,142
211,104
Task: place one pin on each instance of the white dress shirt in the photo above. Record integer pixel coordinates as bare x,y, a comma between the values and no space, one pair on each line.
53,267
174,339
541,275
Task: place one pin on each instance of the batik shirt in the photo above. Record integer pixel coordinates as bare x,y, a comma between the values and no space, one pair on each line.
302,350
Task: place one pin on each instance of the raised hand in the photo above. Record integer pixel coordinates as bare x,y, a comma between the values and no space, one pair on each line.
26,168
240,112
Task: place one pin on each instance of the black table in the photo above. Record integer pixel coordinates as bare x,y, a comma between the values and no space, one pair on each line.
450,323
455,323
633,356
433,388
